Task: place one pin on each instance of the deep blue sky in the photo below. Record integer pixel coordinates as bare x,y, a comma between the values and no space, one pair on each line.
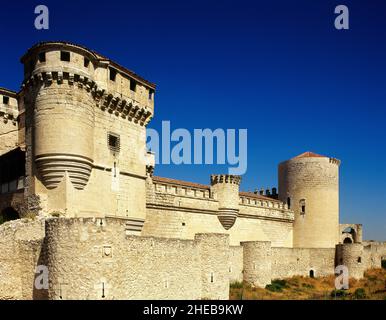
278,68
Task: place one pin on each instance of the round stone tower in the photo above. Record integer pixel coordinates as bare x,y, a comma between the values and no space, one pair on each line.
309,184
61,115
226,188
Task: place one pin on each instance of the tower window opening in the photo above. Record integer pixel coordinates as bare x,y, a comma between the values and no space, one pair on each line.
113,141
151,94
42,57
289,202
65,56
113,74
359,259
133,85
5,100
211,277
302,204
312,274
86,62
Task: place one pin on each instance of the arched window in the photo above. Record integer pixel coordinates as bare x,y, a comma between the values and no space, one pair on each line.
312,274
302,205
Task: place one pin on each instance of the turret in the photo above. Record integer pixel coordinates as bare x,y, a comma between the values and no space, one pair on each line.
226,189
86,119
309,184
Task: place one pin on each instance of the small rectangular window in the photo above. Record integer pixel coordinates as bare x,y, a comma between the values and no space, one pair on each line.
86,62
133,85
113,74
151,94
42,57
5,100
113,141
64,56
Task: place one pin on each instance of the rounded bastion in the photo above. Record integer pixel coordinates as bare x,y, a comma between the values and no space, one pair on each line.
309,184
57,83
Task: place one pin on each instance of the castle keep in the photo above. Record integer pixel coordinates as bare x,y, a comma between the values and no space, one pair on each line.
80,189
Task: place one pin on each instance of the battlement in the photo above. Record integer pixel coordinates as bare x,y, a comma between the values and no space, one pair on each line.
118,88
224,178
250,199
335,161
8,106
128,107
181,188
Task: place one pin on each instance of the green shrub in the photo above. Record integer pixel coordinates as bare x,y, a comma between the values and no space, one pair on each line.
339,293
56,214
308,286
360,293
236,285
277,285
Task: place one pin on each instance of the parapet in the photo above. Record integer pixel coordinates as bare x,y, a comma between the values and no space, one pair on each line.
224,178
8,106
116,89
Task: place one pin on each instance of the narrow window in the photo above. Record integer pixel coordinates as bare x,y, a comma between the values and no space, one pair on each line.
133,85
113,141
113,74
151,94
289,202
211,277
64,56
312,274
42,57
115,169
86,62
302,205
103,290
359,260
5,100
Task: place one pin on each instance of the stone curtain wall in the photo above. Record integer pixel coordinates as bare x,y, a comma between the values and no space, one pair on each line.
20,244
288,262
95,259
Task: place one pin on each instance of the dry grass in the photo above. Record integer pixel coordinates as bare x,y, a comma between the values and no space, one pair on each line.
372,286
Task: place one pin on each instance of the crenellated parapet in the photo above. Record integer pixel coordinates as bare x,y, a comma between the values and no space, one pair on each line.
124,107
224,178
9,111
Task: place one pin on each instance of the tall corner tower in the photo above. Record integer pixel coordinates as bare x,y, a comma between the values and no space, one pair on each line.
86,119
309,184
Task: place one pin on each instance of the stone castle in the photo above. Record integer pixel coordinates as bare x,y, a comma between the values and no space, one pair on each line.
78,185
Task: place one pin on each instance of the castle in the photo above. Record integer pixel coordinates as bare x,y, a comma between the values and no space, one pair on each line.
79,187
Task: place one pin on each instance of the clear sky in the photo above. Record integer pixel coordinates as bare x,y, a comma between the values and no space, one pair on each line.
277,68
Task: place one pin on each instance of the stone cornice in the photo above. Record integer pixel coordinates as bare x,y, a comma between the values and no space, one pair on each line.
121,107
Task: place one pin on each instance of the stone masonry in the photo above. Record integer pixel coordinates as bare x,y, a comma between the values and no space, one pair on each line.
79,185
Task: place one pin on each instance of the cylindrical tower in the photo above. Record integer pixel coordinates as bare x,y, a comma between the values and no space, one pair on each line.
352,256
226,188
62,119
309,184
257,263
